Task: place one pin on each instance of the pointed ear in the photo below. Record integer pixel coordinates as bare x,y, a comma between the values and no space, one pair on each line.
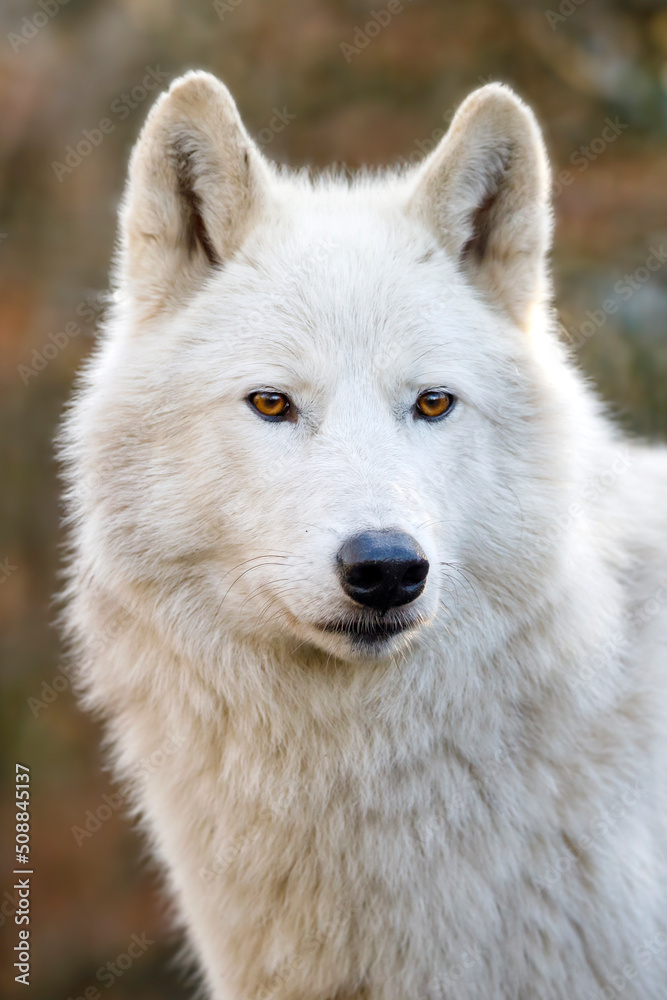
485,192
196,183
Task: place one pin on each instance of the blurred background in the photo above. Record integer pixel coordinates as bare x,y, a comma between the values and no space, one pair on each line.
345,80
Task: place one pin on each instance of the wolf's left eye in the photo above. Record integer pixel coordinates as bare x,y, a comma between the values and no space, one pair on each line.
271,405
434,403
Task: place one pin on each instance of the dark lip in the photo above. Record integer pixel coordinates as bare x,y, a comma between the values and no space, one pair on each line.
370,630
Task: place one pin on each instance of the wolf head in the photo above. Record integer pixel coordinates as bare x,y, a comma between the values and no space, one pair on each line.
326,412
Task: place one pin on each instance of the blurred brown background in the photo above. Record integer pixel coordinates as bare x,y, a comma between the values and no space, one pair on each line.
363,86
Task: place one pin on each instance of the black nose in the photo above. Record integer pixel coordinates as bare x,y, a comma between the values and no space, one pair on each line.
382,569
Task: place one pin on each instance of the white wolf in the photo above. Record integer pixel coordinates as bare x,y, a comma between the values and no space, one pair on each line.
352,534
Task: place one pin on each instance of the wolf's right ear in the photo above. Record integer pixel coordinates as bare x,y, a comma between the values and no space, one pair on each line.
196,183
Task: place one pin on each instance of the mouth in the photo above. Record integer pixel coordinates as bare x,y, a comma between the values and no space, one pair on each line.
370,631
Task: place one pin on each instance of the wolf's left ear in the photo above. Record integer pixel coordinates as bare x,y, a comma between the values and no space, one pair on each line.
195,185
485,192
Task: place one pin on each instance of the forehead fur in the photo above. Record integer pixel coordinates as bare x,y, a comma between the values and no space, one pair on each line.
338,281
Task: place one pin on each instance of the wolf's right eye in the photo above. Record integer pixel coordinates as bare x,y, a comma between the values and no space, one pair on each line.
270,405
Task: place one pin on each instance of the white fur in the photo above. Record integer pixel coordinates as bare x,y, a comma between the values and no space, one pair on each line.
337,825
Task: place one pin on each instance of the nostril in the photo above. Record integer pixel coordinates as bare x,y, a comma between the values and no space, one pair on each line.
415,574
365,576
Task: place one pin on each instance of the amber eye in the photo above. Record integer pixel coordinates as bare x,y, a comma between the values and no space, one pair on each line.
272,405
434,403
